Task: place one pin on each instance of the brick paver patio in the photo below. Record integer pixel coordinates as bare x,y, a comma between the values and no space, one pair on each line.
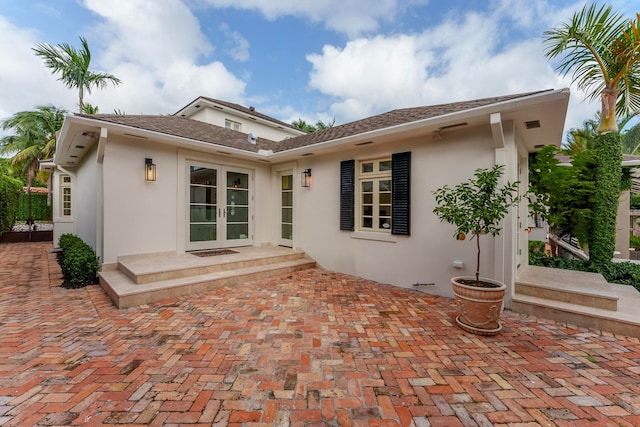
314,348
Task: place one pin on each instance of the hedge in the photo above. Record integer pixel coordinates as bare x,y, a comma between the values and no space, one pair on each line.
10,189
79,262
40,211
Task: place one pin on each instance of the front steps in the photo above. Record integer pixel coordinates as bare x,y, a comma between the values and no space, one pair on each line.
148,278
579,298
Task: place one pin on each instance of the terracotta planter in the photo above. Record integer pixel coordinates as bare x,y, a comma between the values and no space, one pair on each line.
478,307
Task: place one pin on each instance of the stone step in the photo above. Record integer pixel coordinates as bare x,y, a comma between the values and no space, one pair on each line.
622,323
574,287
151,268
124,292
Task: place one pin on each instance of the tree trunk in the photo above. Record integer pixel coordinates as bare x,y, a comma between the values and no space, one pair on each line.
608,114
602,240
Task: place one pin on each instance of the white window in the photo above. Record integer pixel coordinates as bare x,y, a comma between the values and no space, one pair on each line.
65,196
230,124
374,195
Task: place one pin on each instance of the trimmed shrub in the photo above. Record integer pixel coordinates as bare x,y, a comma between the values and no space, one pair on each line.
40,211
10,190
634,242
79,262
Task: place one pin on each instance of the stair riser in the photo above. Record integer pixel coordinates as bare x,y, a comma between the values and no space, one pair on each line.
563,295
582,320
125,301
197,271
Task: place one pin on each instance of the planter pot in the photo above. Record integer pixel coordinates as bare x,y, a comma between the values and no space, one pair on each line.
478,307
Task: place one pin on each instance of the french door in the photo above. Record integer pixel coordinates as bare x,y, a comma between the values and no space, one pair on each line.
286,209
219,206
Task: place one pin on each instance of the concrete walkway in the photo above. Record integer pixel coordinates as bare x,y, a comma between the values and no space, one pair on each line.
314,348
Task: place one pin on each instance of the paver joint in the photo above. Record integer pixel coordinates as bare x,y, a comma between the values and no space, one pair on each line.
313,348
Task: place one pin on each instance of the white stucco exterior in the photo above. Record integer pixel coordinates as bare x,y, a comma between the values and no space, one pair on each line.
119,213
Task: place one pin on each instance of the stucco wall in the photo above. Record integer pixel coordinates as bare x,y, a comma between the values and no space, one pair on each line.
217,117
84,195
425,257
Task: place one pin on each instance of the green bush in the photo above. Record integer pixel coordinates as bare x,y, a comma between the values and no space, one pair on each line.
10,190
40,211
79,262
634,242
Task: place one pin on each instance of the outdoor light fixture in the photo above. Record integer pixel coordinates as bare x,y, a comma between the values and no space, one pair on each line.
149,170
306,178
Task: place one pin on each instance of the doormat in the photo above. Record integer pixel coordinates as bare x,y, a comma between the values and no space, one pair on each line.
214,252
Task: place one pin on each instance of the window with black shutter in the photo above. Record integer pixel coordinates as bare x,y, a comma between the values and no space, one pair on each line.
347,190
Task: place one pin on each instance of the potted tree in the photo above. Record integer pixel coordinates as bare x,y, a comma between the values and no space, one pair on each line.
477,206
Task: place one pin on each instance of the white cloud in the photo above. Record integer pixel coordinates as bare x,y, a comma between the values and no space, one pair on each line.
161,69
465,57
351,17
24,81
239,49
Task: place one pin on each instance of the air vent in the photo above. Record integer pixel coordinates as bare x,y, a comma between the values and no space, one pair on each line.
73,156
252,118
359,144
532,124
457,125
135,136
224,152
198,106
538,146
218,107
80,147
307,154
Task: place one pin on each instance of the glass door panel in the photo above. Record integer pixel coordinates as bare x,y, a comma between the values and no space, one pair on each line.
202,204
237,206
286,209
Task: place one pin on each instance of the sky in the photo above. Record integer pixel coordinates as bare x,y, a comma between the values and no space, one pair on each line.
326,60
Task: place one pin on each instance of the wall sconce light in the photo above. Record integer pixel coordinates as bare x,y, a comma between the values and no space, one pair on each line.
306,178
149,170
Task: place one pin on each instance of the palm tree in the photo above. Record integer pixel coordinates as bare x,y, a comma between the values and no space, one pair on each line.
34,138
602,50
73,67
582,138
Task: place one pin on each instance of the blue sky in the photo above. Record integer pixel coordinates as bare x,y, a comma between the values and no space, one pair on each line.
316,60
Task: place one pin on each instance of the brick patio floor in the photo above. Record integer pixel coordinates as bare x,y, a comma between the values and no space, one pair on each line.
314,348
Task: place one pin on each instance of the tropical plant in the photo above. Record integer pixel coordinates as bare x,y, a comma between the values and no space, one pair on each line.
90,109
583,138
602,51
477,206
73,66
308,127
33,139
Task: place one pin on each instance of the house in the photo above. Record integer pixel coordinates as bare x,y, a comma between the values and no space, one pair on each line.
357,197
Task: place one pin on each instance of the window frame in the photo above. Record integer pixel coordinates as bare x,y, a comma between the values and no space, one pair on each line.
376,175
65,189
233,125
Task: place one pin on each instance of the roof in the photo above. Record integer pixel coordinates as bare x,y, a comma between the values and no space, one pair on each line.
201,131
250,110
186,128
393,118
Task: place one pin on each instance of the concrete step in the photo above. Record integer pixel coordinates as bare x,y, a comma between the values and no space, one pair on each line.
151,268
624,322
124,292
574,287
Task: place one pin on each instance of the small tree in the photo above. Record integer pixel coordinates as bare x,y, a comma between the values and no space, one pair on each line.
477,206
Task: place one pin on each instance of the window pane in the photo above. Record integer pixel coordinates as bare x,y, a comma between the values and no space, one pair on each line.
287,182
287,231
367,210
287,199
367,199
385,198
202,176
202,232
385,166
385,223
385,211
287,215
203,195
367,167
367,222
384,185
237,231
238,197
237,214
367,186
201,213
237,180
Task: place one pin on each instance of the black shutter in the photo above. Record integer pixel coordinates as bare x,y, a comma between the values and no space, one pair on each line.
401,193
347,189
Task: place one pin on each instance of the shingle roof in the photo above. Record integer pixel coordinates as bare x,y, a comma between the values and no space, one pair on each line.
392,118
186,128
200,131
